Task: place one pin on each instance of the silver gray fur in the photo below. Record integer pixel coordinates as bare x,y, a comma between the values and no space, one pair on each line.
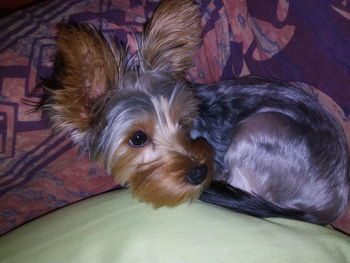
277,142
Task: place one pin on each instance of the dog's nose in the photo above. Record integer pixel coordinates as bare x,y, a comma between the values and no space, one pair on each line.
197,174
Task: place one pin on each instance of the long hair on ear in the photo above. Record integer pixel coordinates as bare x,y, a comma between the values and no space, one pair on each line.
86,66
171,37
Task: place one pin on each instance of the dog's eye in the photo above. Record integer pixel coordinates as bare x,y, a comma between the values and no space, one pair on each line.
138,139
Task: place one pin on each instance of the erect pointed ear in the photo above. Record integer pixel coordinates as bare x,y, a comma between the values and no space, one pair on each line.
171,38
87,65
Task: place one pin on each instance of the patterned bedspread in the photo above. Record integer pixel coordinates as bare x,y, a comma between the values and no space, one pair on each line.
303,42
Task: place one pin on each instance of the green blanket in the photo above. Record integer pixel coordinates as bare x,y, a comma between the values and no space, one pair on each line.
113,227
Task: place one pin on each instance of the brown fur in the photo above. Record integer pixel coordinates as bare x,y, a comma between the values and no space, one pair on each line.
91,67
162,182
172,37
125,163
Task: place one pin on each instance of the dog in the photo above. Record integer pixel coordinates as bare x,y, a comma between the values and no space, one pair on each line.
253,145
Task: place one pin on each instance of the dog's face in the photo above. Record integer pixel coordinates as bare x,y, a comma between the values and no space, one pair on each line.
144,139
134,112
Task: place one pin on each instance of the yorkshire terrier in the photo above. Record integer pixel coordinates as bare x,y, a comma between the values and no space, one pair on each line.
256,146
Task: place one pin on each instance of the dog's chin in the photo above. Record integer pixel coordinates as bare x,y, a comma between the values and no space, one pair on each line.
165,184
169,194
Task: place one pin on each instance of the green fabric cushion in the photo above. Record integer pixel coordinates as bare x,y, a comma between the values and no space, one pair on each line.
114,227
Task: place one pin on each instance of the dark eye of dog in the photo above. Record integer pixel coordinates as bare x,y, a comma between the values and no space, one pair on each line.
138,139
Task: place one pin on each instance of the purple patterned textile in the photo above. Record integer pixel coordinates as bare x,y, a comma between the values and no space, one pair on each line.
303,42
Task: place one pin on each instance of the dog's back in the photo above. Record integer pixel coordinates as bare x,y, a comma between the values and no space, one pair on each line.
277,143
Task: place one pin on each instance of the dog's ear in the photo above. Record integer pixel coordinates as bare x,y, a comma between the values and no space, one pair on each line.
87,65
171,38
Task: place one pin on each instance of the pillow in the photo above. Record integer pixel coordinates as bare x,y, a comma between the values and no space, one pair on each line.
115,228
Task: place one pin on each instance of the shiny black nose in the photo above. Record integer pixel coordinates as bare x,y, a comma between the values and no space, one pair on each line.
197,174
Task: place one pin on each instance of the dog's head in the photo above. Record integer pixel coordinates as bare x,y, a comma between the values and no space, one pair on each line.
134,112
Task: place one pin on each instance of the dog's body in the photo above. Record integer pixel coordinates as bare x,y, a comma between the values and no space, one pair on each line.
276,150
275,142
